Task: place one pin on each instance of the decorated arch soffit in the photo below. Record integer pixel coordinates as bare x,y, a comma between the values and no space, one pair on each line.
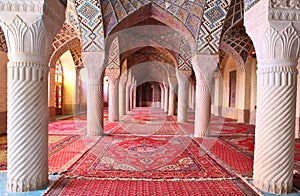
91,25
213,18
65,40
234,40
234,15
188,12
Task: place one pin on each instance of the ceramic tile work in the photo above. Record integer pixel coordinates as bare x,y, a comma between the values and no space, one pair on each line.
3,46
250,3
185,56
91,24
211,28
234,15
187,11
238,44
76,55
71,15
114,57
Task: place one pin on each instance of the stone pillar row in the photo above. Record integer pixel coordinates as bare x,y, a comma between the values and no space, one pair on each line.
172,90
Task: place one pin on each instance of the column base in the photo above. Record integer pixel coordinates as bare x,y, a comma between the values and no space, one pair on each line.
243,116
26,185
274,187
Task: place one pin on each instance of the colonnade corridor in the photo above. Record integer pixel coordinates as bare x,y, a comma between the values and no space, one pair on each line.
148,153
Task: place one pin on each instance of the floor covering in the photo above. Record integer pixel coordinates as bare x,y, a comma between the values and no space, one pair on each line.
148,153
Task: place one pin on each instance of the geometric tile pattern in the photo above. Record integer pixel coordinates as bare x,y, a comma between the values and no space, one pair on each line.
189,12
149,54
72,16
237,43
234,15
91,24
66,39
185,56
250,3
210,31
3,45
76,55
113,55
222,55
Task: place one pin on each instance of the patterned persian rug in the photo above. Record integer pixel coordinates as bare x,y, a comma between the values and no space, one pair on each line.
66,186
64,150
147,158
229,155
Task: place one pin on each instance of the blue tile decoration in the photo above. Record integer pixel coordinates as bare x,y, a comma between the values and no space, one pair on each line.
214,15
91,24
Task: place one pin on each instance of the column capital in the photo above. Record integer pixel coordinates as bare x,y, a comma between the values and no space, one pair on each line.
274,27
29,27
94,64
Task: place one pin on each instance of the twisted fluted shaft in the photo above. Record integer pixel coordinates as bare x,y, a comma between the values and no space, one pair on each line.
203,108
94,109
27,127
274,134
113,106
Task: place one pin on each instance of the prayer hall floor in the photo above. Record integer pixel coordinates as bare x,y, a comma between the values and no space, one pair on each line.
148,153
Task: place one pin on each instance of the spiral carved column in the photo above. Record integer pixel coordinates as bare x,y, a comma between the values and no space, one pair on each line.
94,63
29,45
274,138
277,45
113,106
94,109
27,126
127,97
183,96
203,108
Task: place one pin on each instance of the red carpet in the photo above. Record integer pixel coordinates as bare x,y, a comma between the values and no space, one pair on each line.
148,129
66,155
67,127
230,156
147,157
145,188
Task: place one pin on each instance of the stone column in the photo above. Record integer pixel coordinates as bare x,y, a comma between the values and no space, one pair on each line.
94,63
204,66
77,91
183,96
162,96
276,40
127,97
190,95
218,99
29,34
172,85
166,104
297,127
122,93
131,93
113,99
193,95
134,95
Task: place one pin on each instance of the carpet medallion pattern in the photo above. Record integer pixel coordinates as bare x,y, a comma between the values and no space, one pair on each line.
147,157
